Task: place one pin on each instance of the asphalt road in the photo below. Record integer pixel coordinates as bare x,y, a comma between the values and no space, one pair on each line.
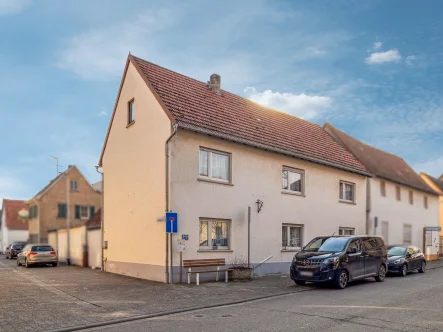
413,303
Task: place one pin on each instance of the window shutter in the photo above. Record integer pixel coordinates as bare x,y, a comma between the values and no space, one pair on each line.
91,211
77,212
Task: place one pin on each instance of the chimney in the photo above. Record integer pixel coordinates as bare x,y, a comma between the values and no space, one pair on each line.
214,84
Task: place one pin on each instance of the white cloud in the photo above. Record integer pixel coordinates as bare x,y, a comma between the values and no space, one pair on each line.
410,59
377,45
102,113
383,57
433,167
99,54
9,7
301,105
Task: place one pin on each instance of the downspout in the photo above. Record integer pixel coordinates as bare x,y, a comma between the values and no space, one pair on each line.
102,212
174,126
368,205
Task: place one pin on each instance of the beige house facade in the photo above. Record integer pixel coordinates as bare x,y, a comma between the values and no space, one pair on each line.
224,154
437,185
48,209
400,205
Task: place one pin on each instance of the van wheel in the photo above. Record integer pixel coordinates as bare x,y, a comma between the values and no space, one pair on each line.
300,282
342,279
381,274
423,267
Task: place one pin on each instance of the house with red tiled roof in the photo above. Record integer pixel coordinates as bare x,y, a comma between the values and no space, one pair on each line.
13,223
401,206
178,144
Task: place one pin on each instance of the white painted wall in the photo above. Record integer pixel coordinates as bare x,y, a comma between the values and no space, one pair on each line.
397,213
8,236
257,174
94,248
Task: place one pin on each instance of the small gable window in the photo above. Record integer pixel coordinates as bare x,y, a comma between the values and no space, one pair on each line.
74,185
131,112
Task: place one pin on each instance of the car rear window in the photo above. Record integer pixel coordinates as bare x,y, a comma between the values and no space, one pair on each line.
42,248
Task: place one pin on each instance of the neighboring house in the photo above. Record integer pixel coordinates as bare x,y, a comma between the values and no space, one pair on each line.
228,153
436,185
84,237
13,227
48,208
400,204
98,186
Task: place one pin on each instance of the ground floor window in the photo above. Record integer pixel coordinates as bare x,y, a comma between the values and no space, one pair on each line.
385,231
291,236
407,234
214,234
346,231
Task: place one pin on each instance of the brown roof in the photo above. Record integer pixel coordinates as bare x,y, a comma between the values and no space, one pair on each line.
437,182
193,106
12,219
380,163
95,220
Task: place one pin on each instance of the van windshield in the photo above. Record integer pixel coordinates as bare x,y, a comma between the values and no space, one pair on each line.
332,244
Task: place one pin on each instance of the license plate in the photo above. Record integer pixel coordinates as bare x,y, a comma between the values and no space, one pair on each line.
306,273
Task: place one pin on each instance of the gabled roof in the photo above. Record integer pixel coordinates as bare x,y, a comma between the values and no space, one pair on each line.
380,163
438,183
58,178
193,106
12,219
95,220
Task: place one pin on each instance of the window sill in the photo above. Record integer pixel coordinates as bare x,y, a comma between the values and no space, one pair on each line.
292,193
130,124
217,250
215,181
347,202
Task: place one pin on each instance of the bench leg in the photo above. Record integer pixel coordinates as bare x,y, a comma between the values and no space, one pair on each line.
216,278
198,278
189,278
226,276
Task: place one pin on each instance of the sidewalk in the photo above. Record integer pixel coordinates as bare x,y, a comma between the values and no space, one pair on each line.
435,264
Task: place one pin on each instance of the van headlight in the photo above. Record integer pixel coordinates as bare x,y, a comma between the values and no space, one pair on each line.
330,260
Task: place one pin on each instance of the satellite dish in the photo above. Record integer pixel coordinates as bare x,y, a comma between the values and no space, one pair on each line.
23,214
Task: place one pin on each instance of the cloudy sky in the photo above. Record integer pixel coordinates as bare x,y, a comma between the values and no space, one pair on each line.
372,68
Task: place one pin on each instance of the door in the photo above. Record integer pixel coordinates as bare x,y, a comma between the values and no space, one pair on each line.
414,260
356,261
370,248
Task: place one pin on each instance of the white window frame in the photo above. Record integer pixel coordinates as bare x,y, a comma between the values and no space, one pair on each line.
405,240
342,193
288,236
301,172
87,212
209,165
209,234
342,230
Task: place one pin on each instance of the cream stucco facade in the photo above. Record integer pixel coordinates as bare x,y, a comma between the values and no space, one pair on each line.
257,174
393,214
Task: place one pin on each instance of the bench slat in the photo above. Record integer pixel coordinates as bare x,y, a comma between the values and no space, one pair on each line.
189,263
207,271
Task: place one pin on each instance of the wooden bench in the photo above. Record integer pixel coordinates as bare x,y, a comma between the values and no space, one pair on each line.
193,263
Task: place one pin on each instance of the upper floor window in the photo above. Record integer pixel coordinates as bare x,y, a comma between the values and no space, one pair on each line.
74,185
347,191
425,201
61,210
215,165
82,212
131,112
383,188
411,197
398,193
33,211
293,180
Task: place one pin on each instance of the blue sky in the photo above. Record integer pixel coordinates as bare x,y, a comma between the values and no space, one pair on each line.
372,68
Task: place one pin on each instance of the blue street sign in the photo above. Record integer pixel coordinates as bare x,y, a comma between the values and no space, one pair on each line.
171,222
185,237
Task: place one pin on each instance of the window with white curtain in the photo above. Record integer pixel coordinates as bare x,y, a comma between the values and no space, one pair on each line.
291,236
215,165
214,234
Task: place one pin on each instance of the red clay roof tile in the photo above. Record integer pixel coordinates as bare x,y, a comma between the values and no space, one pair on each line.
194,106
12,208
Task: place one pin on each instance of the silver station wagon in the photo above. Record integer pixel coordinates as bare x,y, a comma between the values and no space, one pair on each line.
37,254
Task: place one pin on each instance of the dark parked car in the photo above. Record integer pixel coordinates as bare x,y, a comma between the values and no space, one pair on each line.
340,259
402,259
14,249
